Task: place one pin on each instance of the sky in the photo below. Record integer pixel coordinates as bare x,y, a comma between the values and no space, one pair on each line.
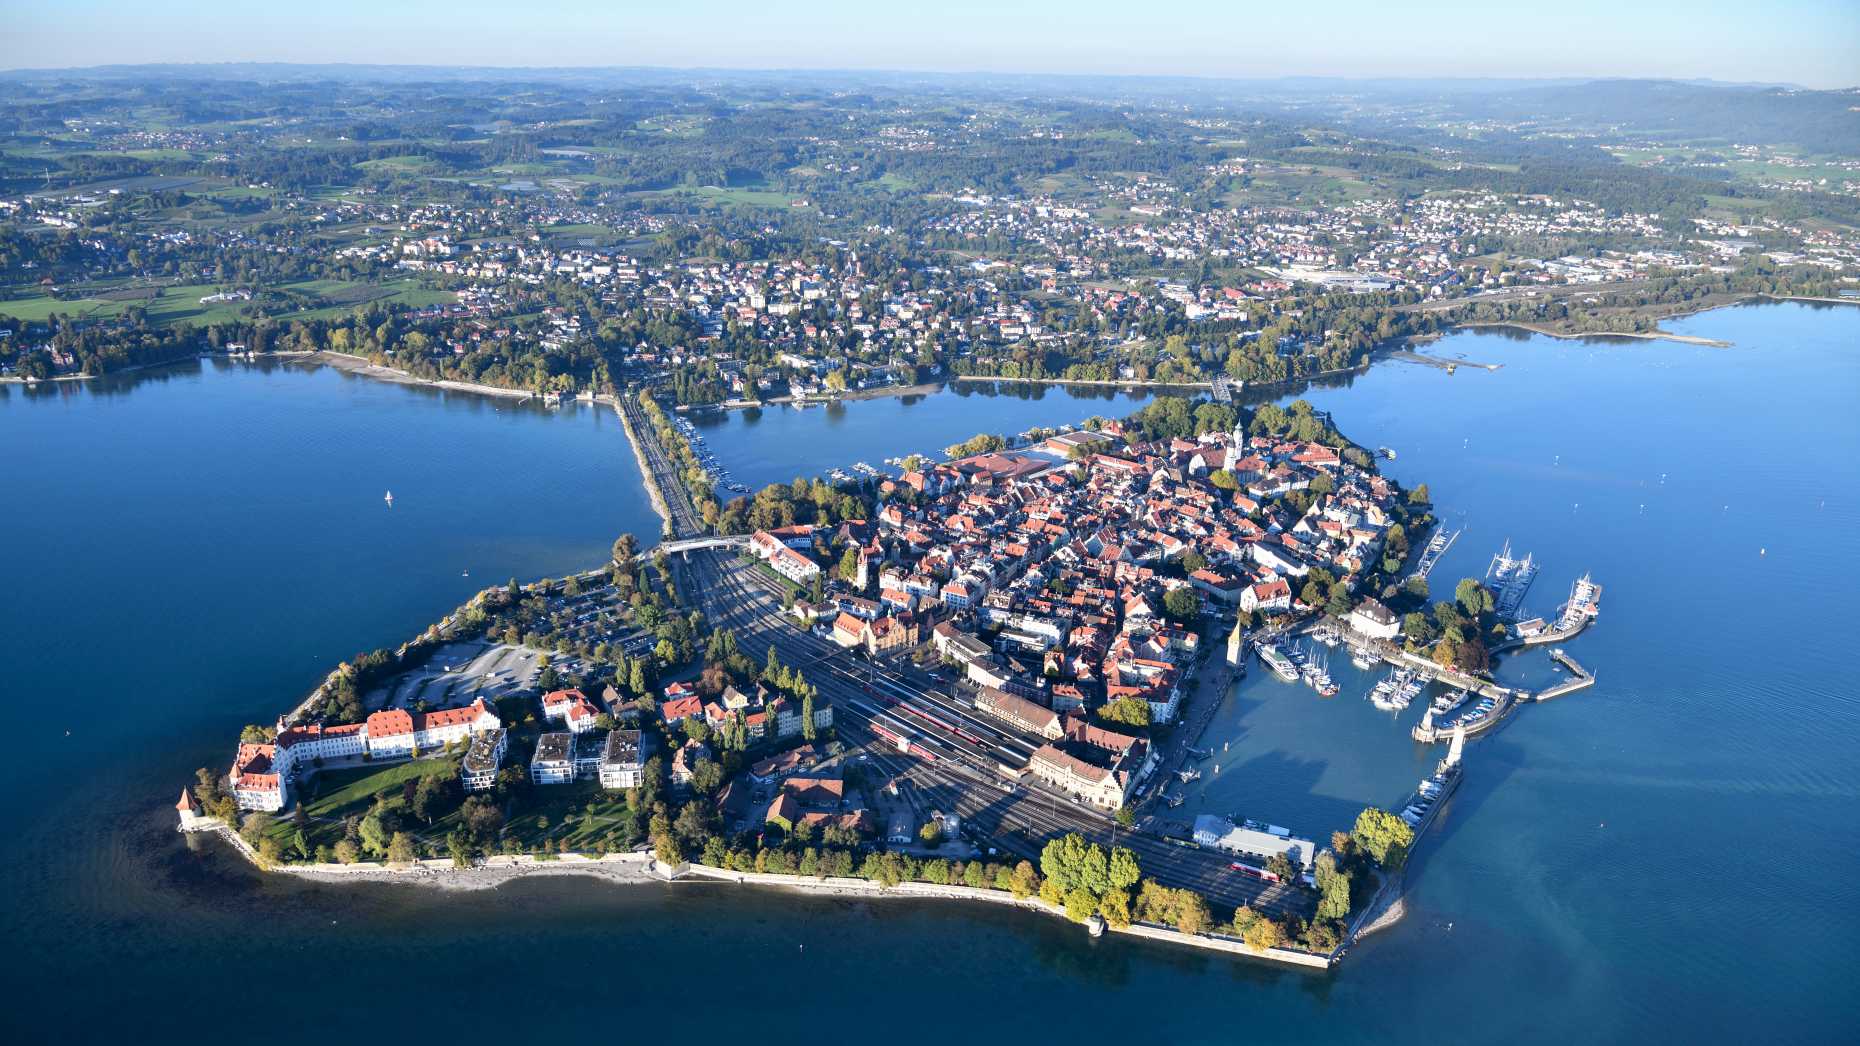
1812,43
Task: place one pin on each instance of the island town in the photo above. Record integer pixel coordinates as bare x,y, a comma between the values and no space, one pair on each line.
981,677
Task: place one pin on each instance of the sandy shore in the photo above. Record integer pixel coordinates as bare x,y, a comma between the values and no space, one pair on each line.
359,365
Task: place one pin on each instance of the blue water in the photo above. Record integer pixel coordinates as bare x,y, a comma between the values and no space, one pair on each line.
775,444
1668,854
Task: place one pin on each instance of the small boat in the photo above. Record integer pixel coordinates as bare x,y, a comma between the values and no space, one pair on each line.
1449,701
1190,774
390,497
1362,658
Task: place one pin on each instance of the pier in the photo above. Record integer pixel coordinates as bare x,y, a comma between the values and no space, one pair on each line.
1579,678
1430,556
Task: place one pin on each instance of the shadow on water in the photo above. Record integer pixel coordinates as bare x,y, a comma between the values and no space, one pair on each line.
1488,765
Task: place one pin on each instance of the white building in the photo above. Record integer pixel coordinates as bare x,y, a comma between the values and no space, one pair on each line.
1375,620
554,761
620,763
482,760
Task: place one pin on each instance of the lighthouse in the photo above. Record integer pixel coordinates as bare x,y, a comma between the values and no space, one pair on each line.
189,810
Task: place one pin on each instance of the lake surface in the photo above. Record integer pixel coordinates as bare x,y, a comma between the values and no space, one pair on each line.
1669,853
775,444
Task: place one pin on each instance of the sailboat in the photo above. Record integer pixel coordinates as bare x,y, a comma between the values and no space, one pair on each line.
390,497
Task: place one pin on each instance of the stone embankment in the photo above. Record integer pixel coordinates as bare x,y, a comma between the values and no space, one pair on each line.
929,891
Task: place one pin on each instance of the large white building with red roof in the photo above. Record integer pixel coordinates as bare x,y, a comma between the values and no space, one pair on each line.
398,732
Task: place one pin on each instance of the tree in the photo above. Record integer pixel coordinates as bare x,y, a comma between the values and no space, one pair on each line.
849,564
1333,888
1072,862
374,832
1131,711
347,852
931,834
1472,597
1181,603
1115,907
808,729
400,849
1383,836
268,852
1192,913
1025,881
1122,870
1419,495
1080,904
1193,561
1263,933
257,825
1280,866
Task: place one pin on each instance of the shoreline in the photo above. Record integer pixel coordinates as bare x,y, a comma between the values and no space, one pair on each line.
920,389
1653,335
632,869
353,364
647,479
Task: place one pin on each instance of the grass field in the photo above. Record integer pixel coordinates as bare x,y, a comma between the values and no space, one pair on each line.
732,197
339,790
181,304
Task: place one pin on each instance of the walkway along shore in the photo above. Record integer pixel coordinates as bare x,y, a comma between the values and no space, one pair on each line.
641,868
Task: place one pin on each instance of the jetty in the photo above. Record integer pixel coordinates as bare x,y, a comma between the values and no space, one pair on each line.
1579,678
1430,556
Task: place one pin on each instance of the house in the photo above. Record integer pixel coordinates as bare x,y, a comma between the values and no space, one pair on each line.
783,764
554,761
1269,596
620,763
572,709
478,770
677,708
258,784
1375,620
777,549
686,759
1022,713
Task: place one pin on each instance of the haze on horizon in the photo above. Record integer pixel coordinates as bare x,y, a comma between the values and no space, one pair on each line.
1807,43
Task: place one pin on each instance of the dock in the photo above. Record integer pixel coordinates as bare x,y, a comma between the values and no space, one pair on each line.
1580,678
1437,547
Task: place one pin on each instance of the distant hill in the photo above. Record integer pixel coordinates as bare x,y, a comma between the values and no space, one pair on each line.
1821,121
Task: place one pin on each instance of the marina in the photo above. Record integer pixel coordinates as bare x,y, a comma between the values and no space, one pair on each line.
1511,577
1437,547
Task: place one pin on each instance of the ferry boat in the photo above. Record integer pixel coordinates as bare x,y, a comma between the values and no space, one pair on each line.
1512,577
1585,603
1276,660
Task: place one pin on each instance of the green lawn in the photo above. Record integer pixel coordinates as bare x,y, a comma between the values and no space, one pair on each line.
338,790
